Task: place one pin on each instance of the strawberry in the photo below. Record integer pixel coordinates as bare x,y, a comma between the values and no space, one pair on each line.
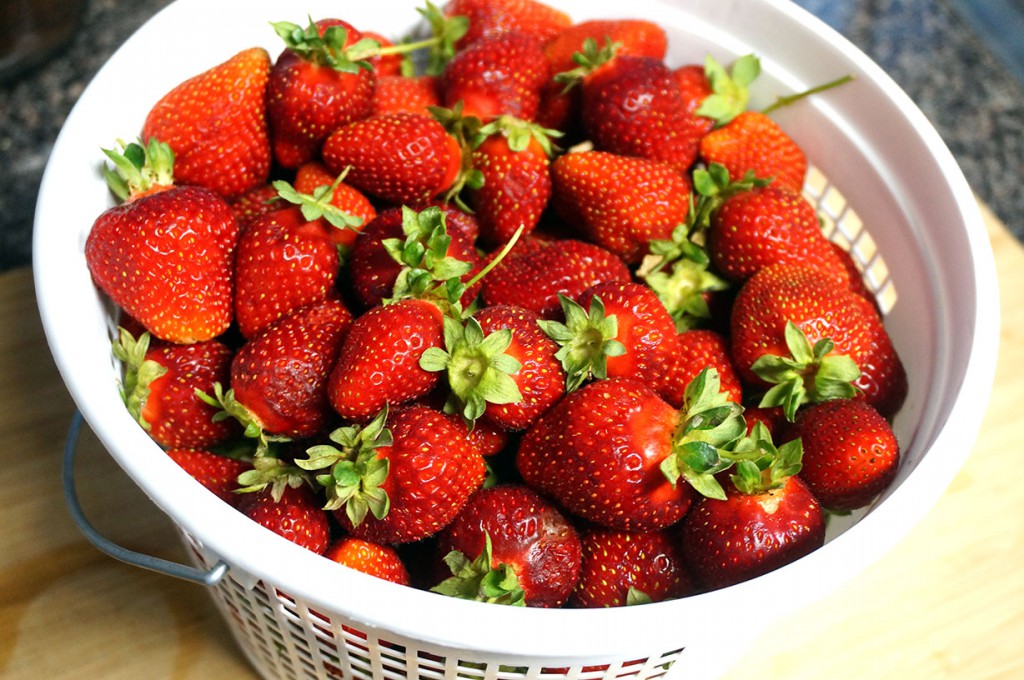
613,451
217,473
406,94
768,224
279,377
288,259
160,384
378,363
694,89
401,478
296,515
768,518
216,125
501,74
253,203
619,202
318,83
398,157
535,278
698,349
165,256
370,558
491,17
313,177
387,64
623,568
509,545
850,452
753,142
809,338
636,37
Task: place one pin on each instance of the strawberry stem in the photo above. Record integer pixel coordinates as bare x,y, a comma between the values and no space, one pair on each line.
789,99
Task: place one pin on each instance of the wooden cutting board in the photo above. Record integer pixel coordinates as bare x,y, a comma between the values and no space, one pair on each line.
948,602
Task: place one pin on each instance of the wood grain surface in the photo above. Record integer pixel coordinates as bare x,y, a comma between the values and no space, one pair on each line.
946,603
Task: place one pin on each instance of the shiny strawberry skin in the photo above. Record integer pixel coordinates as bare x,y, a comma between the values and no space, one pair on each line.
297,517
527,532
744,536
253,203
217,126
700,348
311,176
217,473
598,452
637,37
516,189
167,258
850,452
619,202
694,88
374,559
281,374
398,157
494,17
432,470
615,561
406,94
754,142
379,360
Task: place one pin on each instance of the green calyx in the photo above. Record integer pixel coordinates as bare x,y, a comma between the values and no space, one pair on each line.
479,581
478,369
230,407
329,49
760,466
139,372
353,473
809,375
519,134
588,60
730,93
138,168
445,32
466,130
587,339
269,470
709,425
428,271
318,205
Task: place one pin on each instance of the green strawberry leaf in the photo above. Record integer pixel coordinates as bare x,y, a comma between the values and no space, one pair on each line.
587,339
479,580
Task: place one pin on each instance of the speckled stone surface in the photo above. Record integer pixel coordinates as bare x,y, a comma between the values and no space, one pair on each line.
972,98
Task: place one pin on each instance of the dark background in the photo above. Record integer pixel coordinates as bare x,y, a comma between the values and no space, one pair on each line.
959,60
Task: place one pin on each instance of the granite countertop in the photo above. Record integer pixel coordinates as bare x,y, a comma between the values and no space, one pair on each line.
928,46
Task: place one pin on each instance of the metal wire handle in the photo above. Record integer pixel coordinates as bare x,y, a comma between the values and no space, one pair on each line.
136,559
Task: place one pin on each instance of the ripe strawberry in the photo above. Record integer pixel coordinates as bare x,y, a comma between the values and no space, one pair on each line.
797,317
379,359
623,568
217,473
765,225
535,278
768,518
388,64
698,349
370,558
160,384
636,37
850,453
406,94
279,377
509,545
296,515
399,479
619,202
694,89
612,452
165,256
501,74
513,161
492,17
216,125
398,157
753,142
317,84
314,176
254,203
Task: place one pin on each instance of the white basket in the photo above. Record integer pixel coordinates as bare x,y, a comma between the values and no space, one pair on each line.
916,231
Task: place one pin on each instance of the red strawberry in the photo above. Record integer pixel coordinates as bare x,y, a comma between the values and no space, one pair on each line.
296,515
635,37
401,478
543,270
497,75
797,317
166,255
492,17
765,225
399,157
160,386
389,64
509,545
313,176
624,568
620,203
279,377
768,519
370,558
217,473
694,88
612,452
850,452
379,360
254,203
216,125
698,349
753,142
316,85
488,438
406,94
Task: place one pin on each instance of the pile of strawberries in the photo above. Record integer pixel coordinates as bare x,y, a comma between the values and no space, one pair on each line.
510,310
